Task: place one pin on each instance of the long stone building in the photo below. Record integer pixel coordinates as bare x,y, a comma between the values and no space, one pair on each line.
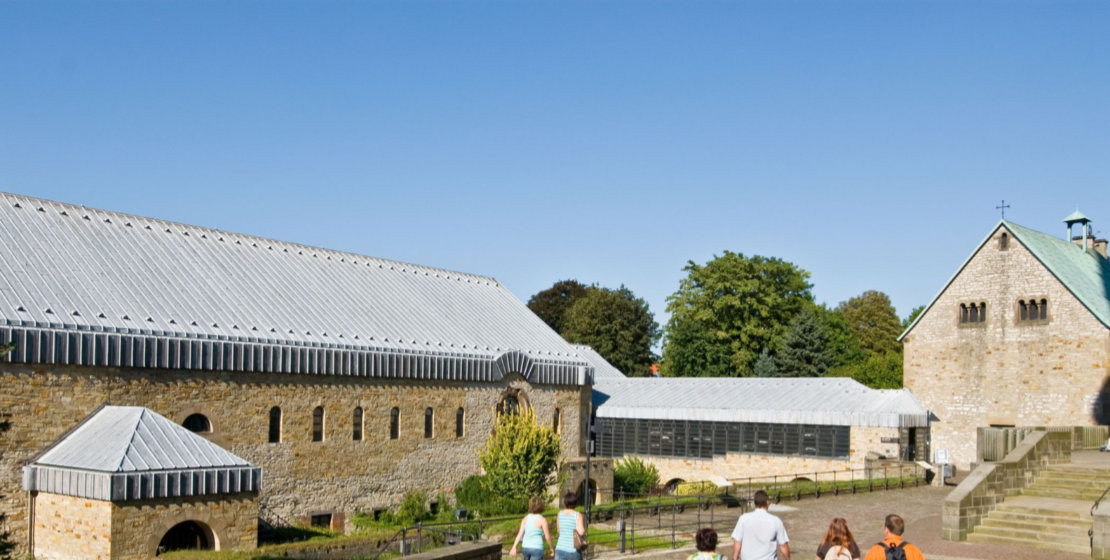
348,379
1019,336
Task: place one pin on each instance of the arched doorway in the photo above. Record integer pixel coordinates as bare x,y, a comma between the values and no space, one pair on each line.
672,485
187,535
593,493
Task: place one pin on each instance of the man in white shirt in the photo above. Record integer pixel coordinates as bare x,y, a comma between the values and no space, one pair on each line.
759,535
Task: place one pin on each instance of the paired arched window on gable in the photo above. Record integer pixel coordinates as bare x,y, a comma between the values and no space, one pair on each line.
275,425
318,424
1033,309
973,312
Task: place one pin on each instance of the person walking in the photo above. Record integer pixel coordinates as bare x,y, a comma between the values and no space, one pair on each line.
839,543
568,523
759,535
533,532
706,541
893,546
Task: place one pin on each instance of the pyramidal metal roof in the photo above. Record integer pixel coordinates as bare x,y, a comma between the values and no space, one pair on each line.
1076,216
823,400
92,287
131,452
1083,272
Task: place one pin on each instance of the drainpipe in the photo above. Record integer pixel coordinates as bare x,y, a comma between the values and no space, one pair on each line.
31,523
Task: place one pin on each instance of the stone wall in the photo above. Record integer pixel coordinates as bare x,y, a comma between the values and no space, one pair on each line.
864,440
300,477
1004,371
68,527
573,474
989,484
138,527
1100,532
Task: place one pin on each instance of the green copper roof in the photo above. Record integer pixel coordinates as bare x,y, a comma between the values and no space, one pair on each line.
1076,216
1083,272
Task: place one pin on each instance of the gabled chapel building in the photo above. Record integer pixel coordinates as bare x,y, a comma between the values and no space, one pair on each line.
348,380
1019,336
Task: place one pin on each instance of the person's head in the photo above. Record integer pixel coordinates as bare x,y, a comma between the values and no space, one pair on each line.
535,505
839,534
570,500
760,499
706,539
895,524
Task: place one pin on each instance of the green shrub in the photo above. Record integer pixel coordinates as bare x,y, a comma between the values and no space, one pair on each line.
413,508
632,475
475,495
697,488
520,457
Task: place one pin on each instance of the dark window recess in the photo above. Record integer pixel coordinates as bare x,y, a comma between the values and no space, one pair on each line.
394,423
1004,242
555,422
695,439
973,312
429,420
322,520
318,424
197,423
1033,310
459,417
275,424
357,423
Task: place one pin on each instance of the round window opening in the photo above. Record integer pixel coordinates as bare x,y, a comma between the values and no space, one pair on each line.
187,535
197,423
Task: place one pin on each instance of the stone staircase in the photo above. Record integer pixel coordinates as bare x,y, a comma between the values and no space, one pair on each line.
1053,512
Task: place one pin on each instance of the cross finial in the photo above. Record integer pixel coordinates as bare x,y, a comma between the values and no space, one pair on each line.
1003,208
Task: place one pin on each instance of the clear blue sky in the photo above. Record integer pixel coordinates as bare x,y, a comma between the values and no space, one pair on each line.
867,142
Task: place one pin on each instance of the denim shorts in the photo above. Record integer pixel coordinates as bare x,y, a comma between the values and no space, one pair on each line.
564,555
532,553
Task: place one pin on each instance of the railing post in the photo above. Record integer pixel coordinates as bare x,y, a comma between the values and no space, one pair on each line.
816,485
404,541
836,487
419,538
632,510
674,521
886,478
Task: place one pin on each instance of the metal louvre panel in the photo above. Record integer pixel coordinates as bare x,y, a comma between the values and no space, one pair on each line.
705,440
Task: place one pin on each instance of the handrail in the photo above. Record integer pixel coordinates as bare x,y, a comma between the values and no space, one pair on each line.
1094,506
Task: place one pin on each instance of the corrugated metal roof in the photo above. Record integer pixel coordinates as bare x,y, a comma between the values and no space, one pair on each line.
828,401
117,443
602,368
153,283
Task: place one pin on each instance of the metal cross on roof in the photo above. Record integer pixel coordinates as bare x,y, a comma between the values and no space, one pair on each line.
1003,208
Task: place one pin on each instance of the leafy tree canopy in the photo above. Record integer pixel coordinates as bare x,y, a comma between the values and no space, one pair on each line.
728,310
914,313
804,350
872,320
520,457
843,345
552,304
764,365
879,371
615,323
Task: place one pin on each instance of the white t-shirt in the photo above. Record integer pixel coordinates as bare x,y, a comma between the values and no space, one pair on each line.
760,534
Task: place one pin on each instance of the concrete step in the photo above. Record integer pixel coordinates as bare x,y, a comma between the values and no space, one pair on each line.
1004,520
1080,546
1046,507
1082,472
1074,478
1067,494
1046,536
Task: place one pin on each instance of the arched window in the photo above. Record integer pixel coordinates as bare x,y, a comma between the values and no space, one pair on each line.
982,312
394,423
275,424
197,423
356,421
1024,310
974,315
318,424
1004,241
1044,309
509,405
963,313
1033,312
459,417
555,421
429,417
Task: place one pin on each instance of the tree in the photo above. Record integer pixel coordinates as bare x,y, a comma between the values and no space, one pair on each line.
804,351
914,313
520,457
632,475
872,319
552,304
879,371
615,323
727,311
764,365
843,345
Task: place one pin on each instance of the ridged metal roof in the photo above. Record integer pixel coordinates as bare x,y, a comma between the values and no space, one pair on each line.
602,368
130,452
825,400
92,287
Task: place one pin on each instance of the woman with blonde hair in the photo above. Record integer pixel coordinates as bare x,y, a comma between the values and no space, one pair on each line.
533,532
839,544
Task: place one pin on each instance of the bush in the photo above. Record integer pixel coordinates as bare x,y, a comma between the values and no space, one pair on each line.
520,457
413,508
474,495
697,488
632,475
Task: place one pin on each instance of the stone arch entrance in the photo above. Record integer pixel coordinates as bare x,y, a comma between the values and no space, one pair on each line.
594,498
188,535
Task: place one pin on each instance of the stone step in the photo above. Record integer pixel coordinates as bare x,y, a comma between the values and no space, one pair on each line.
1078,495
1048,534
1099,482
1009,520
1082,546
1030,508
1076,471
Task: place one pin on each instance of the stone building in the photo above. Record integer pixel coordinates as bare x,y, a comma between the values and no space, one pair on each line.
699,428
128,484
349,379
1019,336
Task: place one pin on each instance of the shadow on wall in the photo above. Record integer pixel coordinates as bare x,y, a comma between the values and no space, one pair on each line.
1100,411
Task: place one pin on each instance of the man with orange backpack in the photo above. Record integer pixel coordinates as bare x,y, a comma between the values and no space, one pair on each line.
892,546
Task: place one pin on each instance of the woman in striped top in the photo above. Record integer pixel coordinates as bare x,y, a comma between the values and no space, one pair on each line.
569,522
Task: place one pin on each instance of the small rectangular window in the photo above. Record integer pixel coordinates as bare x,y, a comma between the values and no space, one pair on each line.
394,423
459,417
429,417
322,520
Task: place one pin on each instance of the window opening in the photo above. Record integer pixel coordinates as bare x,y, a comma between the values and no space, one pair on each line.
357,423
1044,309
322,520
1004,241
459,417
555,422
318,424
394,423
275,424
428,421
197,423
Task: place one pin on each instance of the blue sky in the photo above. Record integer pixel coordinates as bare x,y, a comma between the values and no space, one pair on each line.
866,142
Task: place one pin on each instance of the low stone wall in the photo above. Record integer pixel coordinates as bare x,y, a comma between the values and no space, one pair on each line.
467,551
1100,532
989,484
360,547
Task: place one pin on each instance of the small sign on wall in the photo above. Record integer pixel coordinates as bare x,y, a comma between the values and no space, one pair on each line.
891,440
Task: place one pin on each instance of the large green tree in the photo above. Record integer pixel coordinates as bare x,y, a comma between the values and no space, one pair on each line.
804,351
728,310
914,313
617,324
552,304
873,321
878,371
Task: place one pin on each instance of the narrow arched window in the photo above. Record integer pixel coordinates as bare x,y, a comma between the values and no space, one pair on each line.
982,312
197,423
1044,309
974,315
275,424
459,417
356,420
963,313
394,423
1024,310
429,417
555,421
1004,241
1034,313
318,424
